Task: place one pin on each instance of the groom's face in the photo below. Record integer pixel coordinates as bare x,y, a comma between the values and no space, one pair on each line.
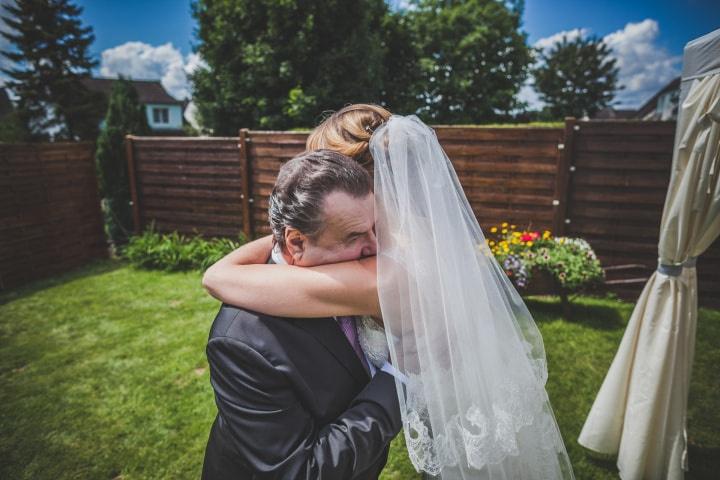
348,233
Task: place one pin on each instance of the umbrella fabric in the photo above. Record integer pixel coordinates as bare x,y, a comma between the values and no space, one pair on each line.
640,411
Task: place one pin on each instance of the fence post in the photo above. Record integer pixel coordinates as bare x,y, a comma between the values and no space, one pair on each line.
245,172
133,186
562,178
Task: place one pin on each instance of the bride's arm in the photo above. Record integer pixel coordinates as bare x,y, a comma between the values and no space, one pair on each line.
242,278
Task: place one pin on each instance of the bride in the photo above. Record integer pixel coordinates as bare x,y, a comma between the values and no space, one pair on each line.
473,402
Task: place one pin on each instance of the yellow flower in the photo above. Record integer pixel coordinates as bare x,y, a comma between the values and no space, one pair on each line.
492,242
504,224
493,229
512,226
504,230
530,243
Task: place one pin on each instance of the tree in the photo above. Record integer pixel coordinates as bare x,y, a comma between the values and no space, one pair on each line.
51,57
576,78
473,58
12,129
402,87
125,115
277,65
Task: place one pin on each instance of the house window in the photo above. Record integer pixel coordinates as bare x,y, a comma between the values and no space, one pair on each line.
161,115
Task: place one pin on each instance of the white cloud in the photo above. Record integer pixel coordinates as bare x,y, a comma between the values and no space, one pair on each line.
528,94
644,67
547,42
145,62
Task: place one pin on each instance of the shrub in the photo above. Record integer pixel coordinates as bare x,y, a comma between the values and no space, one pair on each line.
570,261
125,114
177,252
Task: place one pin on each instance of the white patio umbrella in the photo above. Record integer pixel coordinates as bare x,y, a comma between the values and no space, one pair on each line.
640,411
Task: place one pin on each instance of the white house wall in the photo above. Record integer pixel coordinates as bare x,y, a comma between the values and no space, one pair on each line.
174,117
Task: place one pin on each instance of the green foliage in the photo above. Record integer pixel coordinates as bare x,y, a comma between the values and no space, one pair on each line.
576,78
401,78
13,129
473,59
125,115
176,252
51,56
571,261
104,375
277,65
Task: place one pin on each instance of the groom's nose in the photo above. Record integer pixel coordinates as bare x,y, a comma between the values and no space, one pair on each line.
371,247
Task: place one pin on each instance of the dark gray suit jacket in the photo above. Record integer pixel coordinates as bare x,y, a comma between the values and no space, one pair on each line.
294,401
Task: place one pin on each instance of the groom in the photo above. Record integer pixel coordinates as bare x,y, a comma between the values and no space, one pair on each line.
297,398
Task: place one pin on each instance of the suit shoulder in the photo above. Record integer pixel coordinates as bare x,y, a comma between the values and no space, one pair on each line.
243,325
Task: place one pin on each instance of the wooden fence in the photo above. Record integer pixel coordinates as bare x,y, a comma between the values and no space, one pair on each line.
50,217
604,181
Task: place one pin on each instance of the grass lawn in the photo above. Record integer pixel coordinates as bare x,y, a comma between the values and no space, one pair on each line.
103,376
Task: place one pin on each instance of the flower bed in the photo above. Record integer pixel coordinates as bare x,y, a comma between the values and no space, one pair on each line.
538,263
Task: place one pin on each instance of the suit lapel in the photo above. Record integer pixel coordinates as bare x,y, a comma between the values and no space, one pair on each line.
329,334
327,331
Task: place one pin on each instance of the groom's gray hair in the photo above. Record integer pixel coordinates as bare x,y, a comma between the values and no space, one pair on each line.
303,183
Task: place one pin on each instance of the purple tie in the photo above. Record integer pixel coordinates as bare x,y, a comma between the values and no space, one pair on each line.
347,325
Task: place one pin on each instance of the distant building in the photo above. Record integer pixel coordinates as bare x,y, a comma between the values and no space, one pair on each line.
164,112
610,113
662,106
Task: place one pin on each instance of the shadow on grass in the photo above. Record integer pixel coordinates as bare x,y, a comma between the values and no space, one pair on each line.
594,312
93,268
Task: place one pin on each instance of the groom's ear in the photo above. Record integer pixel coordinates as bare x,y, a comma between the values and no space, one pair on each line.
295,242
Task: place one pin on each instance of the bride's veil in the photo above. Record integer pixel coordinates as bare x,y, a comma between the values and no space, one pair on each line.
475,404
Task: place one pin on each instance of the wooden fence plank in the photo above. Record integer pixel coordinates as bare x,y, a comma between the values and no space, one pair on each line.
50,218
133,183
245,183
562,177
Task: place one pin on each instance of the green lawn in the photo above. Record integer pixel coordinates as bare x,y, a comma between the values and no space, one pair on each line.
103,376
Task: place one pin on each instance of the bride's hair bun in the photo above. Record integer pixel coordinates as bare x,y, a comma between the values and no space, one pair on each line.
348,130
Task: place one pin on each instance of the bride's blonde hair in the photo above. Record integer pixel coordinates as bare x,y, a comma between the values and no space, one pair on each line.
348,131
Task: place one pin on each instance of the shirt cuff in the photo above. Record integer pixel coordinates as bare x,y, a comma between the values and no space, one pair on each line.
388,368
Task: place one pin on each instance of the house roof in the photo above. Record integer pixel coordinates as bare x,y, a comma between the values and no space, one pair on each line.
149,91
649,106
609,112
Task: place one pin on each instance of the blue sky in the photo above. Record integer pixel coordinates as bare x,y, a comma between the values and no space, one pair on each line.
153,39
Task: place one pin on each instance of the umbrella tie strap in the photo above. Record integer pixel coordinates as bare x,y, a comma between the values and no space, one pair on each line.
674,269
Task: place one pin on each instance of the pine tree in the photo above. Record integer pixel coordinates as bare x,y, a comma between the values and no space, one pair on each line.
576,78
51,58
125,115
